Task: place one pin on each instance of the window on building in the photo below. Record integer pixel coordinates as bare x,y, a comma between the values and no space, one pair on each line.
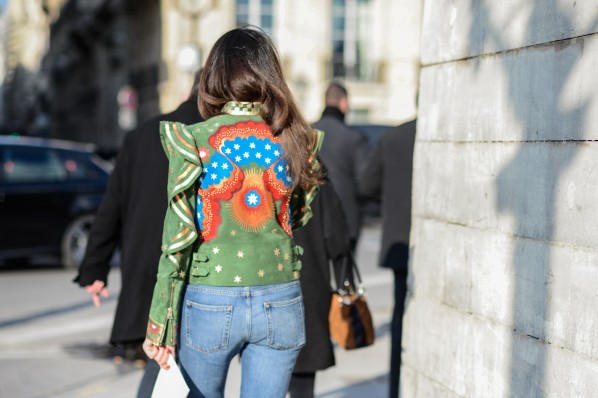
350,40
256,12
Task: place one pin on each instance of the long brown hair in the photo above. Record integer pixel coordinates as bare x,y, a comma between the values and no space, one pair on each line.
243,66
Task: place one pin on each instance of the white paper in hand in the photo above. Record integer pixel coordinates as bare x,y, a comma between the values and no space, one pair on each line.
170,383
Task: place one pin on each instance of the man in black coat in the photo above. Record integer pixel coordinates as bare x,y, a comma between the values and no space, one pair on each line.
387,176
131,217
344,152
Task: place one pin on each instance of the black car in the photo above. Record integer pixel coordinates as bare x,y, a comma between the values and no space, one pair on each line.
49,192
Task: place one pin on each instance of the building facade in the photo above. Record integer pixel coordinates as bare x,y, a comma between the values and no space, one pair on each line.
90,70
370,45
25,34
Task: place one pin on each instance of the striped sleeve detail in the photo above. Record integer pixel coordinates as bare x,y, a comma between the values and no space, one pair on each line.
185,169
179,231
301,200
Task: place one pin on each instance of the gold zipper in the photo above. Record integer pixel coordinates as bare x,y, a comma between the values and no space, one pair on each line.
169,313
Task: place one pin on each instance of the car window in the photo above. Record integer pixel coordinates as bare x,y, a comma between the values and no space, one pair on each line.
78,167
27,165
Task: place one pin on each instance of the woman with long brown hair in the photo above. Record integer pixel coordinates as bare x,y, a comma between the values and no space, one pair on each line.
239,183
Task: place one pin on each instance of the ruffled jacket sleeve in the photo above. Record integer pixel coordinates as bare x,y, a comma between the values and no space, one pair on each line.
301,200
179,232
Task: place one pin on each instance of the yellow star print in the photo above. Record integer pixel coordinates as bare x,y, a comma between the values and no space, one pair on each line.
233,233
237,279
286,256
261,273
182,274
276,251
280,267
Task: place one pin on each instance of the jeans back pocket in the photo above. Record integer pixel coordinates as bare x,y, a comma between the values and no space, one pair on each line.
207,327
286,323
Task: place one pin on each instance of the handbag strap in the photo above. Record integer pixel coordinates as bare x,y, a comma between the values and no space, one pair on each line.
348,286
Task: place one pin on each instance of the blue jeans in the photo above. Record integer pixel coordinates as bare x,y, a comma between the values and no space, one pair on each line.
265,324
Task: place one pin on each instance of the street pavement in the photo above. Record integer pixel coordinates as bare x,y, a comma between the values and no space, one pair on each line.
53,341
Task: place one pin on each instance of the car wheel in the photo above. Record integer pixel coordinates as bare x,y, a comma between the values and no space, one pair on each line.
74,240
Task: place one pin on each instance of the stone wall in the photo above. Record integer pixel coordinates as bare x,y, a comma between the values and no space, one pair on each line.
504,265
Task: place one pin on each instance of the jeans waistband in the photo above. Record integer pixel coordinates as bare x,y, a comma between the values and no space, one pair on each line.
242,290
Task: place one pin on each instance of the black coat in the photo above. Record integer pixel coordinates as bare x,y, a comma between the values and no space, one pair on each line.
132,216
344,152
325,240
388,176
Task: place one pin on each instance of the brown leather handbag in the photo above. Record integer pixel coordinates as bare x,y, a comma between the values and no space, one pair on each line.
349,318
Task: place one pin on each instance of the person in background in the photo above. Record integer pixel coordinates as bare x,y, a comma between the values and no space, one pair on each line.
387,176
240,182
131,217
344,152
325,240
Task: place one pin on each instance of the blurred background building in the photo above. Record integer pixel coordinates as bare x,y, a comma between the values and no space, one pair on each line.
89,70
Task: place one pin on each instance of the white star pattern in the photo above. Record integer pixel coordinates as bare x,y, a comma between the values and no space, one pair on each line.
242,152
289,179
237,279
240,254
202,154
252,198
218,268
215,250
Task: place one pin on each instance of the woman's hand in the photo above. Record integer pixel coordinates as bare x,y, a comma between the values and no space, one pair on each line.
158,353
95,290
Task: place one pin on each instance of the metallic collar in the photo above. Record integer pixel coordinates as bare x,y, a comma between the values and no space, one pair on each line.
242,108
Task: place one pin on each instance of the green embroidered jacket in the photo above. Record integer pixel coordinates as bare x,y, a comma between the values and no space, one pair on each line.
231,210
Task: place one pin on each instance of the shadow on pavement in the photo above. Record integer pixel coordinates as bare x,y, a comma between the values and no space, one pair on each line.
373,388
52,312
382,329
118,355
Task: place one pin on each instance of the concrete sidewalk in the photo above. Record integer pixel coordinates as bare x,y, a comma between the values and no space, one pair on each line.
359,373
53,341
